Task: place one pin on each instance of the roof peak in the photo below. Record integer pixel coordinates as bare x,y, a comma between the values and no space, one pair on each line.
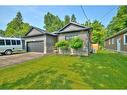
74,23
38,28
79,24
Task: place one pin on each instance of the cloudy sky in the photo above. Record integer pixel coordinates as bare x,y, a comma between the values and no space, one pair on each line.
34,15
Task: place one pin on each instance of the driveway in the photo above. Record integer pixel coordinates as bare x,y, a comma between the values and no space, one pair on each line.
7,60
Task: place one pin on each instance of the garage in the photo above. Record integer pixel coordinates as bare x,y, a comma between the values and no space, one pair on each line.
35,46
38,40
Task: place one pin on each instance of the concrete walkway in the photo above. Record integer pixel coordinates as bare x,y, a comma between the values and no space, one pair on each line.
6,60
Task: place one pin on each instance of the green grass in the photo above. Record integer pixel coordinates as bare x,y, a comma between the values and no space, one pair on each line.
104,70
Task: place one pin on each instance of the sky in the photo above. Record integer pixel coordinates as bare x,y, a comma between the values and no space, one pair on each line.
34,15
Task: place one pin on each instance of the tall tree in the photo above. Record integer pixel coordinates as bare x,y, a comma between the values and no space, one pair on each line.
52,22
17,27
66,19
73,18
119,21
19,20
98,33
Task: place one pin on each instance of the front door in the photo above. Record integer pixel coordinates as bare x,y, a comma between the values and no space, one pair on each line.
118,44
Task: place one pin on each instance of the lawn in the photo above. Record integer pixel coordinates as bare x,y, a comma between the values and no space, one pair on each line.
104,70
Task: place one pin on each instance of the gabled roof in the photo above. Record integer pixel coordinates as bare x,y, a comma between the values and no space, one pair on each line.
40,30
80,27
120,32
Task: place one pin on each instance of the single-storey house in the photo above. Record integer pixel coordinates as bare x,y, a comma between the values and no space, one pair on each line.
117,42
38,40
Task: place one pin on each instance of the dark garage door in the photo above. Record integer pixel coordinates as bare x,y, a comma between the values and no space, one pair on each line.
36,46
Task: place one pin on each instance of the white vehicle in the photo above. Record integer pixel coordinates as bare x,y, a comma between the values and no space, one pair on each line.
10,45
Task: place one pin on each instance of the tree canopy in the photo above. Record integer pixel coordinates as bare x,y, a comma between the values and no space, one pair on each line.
98,33
54,23
2,33
73,18
119,21
66,19
16,27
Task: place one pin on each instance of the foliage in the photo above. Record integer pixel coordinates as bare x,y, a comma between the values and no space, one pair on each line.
63,44
73,18
76,43
54,23
2,33
118,22
66,19
17,27
98,71
98,33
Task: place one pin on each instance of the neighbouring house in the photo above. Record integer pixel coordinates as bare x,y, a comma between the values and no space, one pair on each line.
38,40
117,42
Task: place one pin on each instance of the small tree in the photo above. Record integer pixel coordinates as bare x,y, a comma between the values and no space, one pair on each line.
63,45
76,43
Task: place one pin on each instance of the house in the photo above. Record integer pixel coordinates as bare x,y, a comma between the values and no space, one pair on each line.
117,42
38,40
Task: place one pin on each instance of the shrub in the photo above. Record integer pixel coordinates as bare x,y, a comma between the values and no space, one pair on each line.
76,43
63,44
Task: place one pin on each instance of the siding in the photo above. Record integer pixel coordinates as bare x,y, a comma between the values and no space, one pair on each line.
72,27
50,43
114,46
84,35
34,32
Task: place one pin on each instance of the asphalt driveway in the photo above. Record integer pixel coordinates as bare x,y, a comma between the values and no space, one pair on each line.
7,60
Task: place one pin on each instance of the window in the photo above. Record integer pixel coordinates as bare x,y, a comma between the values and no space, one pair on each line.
8,42
112,40
13,42
68,37
18,42
125,39
2,42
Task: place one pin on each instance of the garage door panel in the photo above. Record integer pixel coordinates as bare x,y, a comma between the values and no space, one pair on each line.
36,46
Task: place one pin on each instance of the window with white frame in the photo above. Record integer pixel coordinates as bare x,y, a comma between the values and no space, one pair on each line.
125,39
112,40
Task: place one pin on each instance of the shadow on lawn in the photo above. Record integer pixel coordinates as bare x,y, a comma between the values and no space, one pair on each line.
45,79
102,70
